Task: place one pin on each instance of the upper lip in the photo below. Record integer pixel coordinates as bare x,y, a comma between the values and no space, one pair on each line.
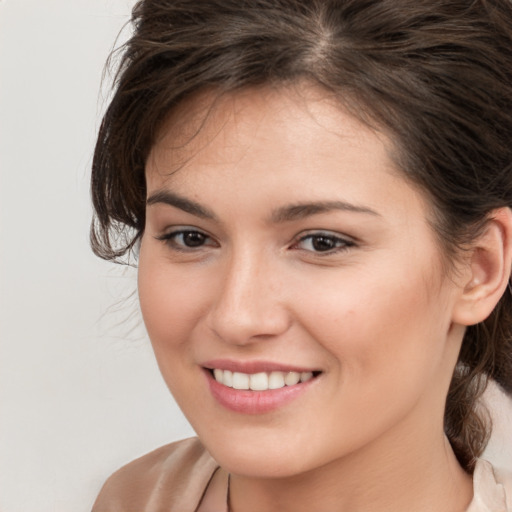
250,367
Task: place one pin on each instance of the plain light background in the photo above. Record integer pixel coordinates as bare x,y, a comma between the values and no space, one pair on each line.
80,393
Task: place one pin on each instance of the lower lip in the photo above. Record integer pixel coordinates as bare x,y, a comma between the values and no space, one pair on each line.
255,402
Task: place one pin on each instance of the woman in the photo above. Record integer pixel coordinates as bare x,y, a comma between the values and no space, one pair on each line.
318,194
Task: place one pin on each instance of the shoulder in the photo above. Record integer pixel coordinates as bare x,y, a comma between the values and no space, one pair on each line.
492,489
504,478
172,477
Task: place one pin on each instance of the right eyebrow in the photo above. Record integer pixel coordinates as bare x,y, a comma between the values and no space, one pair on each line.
187,205
302,210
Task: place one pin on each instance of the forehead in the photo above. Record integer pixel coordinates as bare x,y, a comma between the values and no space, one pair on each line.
299,136
300,116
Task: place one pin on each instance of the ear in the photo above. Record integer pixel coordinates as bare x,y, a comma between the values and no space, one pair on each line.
488,271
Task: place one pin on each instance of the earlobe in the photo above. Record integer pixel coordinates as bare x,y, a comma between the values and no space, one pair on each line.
489,269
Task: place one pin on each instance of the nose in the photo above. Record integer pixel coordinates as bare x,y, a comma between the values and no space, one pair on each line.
249,305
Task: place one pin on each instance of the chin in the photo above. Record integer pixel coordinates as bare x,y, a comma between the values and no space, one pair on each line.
260,456
256,463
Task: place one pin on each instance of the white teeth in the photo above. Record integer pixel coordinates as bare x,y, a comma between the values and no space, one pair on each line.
305,376
292,378
240,380
276,380
260,381
227,379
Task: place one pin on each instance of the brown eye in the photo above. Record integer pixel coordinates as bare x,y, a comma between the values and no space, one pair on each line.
193,238
323,243
186,239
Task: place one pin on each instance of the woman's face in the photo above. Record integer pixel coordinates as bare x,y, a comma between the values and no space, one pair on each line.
281,244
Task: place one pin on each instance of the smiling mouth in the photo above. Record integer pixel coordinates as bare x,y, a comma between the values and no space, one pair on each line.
261,381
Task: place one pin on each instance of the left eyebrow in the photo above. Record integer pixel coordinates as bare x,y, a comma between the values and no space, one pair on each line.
302,210
183,203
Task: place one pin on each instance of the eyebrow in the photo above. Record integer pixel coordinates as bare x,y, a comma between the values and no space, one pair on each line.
302,210
283,214
187,205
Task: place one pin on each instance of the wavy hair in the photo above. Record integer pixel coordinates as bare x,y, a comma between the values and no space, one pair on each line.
436,75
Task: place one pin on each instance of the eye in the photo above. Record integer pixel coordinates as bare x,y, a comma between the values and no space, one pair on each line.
186,239
323,243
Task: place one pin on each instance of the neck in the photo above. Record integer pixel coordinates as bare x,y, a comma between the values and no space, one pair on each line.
408,478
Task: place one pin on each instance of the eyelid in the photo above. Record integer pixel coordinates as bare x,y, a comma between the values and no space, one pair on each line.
346,241
169,238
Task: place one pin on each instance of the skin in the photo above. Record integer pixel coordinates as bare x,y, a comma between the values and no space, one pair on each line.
378,315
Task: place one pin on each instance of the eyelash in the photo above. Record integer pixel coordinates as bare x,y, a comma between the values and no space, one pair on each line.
170,239
338,244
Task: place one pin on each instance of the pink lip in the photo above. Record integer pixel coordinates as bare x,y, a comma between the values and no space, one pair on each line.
253,366
253,402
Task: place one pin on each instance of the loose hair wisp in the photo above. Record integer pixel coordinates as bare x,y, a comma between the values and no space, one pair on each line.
434,75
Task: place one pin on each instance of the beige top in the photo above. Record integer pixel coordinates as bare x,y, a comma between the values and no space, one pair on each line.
183,477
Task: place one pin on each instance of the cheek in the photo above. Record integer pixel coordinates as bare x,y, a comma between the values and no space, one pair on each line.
383,327
170,301
171,304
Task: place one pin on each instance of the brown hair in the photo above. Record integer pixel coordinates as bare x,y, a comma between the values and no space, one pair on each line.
436,75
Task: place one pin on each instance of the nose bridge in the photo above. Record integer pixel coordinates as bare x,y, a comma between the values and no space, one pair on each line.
248,305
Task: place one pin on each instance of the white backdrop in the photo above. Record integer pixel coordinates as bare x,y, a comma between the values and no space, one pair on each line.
80,393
